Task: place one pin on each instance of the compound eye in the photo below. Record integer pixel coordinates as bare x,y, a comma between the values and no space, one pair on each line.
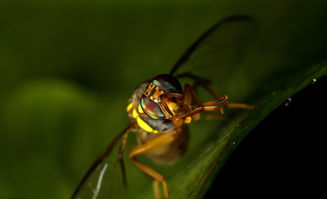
167,83
151,108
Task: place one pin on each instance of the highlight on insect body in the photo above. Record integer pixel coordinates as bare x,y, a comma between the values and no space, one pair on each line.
159,111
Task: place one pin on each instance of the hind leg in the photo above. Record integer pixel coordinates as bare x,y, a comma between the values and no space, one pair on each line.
159,141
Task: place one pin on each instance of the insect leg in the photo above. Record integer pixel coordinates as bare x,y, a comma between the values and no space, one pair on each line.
122,148
156,177
152,144
156,190
204,83
190,94
229,105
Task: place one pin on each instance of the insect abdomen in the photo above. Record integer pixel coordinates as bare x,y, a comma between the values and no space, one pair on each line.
170,153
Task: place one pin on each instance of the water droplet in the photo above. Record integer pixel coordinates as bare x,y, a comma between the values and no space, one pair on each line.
288,101
314,81
234,143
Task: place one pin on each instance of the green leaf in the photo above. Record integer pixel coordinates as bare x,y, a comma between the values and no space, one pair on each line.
69,68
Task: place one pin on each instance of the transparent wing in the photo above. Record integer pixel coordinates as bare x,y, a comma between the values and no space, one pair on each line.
103,177
219,50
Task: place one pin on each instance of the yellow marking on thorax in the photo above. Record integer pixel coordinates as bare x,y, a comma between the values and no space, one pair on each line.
135,114
142,124
155,131
129,107
139,109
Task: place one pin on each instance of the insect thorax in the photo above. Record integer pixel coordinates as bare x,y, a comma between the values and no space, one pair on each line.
144,122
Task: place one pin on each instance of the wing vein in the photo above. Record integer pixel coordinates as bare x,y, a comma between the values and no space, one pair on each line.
96,191
99,160
190,50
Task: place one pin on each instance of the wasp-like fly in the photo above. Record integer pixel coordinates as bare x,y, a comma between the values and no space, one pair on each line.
159,111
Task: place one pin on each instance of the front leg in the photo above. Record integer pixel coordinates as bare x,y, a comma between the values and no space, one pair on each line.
157,142
204,83
189,94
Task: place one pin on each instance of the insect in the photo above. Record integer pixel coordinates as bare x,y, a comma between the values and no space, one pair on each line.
160,110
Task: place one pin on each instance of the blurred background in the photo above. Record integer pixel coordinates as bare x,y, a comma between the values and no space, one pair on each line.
67,69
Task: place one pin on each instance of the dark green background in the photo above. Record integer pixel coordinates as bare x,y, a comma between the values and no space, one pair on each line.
67,69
